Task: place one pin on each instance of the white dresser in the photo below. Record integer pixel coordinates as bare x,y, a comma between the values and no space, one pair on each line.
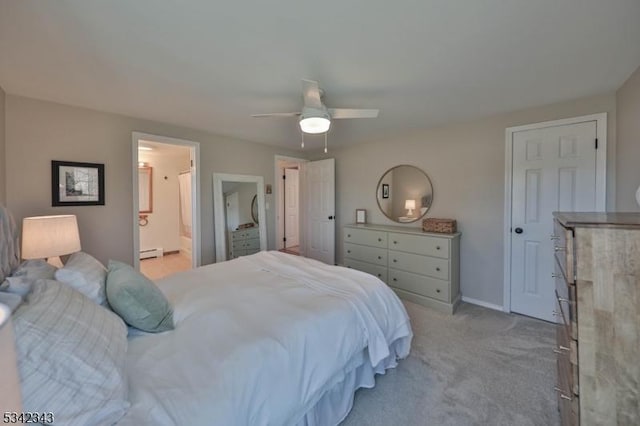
421,267
245,241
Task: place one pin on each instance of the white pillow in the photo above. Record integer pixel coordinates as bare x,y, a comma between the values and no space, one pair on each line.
71,356
85,274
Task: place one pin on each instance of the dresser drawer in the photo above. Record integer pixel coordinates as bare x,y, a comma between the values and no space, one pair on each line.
568,402
253,243
424,265
566,296
428,246
375,270
368,254
566,351
419,284
365,237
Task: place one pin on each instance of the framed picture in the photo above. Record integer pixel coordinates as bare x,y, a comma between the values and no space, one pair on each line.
361,216
77,184
385,190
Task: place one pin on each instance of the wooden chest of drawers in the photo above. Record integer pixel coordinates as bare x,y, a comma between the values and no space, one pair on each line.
244,242
420,267
598,309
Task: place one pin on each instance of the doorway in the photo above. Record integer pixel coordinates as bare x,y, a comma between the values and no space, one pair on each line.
289,231
166,204
551,166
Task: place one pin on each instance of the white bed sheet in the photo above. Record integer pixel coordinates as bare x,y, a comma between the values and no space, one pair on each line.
260,340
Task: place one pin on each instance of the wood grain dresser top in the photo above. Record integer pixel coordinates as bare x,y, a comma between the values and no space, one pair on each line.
591,219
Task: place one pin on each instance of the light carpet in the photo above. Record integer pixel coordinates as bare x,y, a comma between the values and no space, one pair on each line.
477,367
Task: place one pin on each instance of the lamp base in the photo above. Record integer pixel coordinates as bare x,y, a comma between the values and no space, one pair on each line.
55,261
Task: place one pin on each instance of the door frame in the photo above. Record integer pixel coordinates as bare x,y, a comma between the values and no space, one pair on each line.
278,199
601,181
219,210
196,242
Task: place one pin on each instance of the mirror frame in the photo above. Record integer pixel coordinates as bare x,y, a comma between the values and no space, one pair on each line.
378,189
254,209
218,211
149,171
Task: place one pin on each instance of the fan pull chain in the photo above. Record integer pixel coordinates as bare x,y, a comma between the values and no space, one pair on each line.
302,144
325,142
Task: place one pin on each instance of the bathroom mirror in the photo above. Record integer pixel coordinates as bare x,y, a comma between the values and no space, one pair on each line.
145,190
404,193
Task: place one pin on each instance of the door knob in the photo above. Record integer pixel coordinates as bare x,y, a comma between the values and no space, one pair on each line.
518,230
330,217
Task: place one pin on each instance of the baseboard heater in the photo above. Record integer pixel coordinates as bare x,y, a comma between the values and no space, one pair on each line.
149,253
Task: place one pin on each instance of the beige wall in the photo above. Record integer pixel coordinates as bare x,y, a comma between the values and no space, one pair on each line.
38,132
2,148
628,136
466,165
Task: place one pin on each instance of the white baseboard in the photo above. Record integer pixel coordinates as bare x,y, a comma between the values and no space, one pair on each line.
483,304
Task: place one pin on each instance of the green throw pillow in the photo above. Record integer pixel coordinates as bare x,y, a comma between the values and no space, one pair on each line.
137,299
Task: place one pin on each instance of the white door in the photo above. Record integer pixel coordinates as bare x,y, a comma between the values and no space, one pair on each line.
320,210
554,169
291,206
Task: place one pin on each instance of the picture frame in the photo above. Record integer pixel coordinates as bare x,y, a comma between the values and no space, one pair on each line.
385,190
361,216
77,184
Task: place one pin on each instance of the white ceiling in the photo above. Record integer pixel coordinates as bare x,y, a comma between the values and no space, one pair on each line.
209,65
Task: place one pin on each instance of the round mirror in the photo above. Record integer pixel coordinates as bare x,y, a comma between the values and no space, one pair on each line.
404,194
254,208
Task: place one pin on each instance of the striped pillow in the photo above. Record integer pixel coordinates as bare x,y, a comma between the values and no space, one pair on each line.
85,274
71,356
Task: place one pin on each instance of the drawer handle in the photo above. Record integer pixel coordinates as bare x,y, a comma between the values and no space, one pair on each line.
348,235
562,299
556,313
394,260
561,350
348,251
437,247
554,237
438,269
554,275
562,393
379,275
557,248
379,239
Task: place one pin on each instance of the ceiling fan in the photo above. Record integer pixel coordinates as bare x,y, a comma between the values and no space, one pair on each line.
315,117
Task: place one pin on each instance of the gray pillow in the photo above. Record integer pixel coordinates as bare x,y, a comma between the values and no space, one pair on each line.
86,274
71,356
137,299
35,269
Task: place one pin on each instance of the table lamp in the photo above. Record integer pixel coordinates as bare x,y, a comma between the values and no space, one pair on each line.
50,237
10,398
410,205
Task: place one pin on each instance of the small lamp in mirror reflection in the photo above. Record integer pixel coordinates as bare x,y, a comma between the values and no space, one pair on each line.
410,205
10,381
50,237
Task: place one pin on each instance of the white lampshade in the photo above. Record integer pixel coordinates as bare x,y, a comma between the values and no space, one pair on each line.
315,124
410,204
10,381
49,236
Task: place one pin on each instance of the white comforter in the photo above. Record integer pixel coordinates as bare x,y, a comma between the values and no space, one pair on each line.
259,340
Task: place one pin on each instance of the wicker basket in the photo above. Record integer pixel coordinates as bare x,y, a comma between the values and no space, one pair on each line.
442,226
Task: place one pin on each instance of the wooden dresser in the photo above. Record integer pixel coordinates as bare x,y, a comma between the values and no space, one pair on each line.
245,241
598,309
421,267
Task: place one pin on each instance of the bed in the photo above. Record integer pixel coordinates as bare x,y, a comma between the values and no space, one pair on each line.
266,339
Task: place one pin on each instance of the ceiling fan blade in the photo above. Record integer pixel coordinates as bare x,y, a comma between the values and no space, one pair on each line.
339,113
277,114
311,93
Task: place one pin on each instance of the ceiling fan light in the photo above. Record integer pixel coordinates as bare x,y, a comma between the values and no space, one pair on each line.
315,124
